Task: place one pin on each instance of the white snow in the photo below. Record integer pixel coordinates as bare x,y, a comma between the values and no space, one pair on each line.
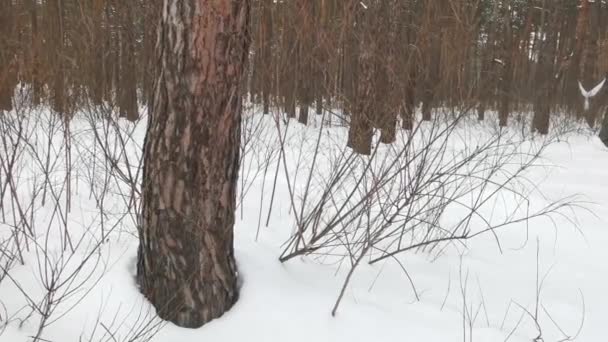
473,294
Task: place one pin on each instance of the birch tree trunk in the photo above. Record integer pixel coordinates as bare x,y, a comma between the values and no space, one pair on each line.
186,265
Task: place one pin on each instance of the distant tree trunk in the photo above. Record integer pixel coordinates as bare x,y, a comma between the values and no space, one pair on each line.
540,120
266,51
604,130
306,45
387,82
186,265
361,132
506,76
7,73
589,58
411,72
544,75
432,49
151,16
127,98
483,86
576,58
97,67
34,59
409,107
290,75
58,102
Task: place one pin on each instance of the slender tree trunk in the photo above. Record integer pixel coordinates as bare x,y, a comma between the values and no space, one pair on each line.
361,131
57,36
410,101
34,59
544,74
506,77
186,265
127,98
7,74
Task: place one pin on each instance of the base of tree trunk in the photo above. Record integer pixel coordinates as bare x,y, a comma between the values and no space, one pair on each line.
360,136
303,117
196,281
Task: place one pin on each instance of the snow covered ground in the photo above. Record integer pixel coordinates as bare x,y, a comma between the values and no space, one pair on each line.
550,269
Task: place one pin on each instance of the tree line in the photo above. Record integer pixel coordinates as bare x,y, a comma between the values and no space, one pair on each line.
375,60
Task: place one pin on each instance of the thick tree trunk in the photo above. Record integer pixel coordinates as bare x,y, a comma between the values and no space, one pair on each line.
186,265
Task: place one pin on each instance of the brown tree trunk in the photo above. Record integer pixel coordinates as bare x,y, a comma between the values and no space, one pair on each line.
58,102
506,77
7,74
589,60
409,107
186,265
361,131
544,75
127,98
34,59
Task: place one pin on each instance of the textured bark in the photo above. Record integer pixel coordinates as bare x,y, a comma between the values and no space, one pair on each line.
186,265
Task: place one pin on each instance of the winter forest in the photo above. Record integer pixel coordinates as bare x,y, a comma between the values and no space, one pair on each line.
303,170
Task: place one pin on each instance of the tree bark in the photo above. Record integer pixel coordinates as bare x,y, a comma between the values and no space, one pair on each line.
506,77
57,39
186,265
34,59
127,98
7,73
360,132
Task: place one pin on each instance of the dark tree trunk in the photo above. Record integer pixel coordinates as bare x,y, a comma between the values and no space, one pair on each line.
303,117
506,76
544,76
7,74
361,131
34,59
127,98
58,101
186,265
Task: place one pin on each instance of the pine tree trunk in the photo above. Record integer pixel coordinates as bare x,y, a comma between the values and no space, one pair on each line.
544,73
360,132
57,36
7,75
34,59
506,77
127,98
186,265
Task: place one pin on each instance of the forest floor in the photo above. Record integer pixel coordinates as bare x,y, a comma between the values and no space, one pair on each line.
548,281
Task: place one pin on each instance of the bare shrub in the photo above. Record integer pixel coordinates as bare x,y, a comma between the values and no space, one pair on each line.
443,183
